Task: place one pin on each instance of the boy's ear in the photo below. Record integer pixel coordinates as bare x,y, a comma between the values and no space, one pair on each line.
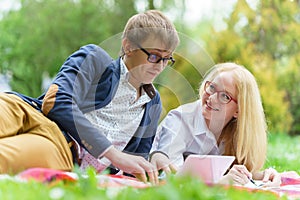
126,46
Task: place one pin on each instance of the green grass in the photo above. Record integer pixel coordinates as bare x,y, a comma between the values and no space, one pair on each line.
283,154
175,189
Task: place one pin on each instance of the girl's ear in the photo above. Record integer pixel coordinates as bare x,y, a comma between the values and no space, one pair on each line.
235,115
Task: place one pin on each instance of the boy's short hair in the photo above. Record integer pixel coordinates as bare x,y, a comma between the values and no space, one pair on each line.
152,23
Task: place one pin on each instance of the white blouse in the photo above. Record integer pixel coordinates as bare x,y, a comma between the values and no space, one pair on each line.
184,131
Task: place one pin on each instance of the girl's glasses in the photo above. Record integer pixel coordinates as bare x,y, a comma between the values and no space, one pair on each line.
222,96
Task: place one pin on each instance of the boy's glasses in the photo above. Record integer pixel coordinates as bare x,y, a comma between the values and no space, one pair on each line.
153,58
222,96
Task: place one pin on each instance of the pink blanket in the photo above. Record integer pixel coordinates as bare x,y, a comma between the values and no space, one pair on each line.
290,185
290,180
51,176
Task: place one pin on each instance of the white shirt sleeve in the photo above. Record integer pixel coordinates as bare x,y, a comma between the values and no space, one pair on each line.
184,130
172,137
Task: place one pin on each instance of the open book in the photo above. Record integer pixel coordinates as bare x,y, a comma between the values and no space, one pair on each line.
209,168
255,184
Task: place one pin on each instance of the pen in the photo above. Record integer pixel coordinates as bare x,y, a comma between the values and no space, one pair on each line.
252,181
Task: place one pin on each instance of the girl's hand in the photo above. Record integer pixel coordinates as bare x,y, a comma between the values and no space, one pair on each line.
270,177
162,162
237,175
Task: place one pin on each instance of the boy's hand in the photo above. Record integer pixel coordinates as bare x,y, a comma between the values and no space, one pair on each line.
135,165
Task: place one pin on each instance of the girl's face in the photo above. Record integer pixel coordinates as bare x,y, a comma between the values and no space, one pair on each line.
215,111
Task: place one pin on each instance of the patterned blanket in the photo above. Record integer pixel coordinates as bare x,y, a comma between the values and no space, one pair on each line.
50,175
290,181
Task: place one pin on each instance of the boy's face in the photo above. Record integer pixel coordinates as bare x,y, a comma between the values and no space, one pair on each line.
147,61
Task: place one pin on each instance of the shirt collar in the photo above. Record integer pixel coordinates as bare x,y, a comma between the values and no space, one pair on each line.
124,70
125,77
201,126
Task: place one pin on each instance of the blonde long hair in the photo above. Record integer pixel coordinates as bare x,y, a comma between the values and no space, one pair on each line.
245,137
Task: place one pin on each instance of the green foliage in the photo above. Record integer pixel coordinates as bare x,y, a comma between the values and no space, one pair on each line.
180,84
273,32
39,37
262,40
291,85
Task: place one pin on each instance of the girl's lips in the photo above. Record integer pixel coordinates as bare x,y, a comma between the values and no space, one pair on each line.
211,108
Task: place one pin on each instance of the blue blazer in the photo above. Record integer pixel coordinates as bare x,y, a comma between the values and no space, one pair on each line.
88,81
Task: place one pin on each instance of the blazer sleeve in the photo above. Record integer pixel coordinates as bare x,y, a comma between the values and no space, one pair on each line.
70,91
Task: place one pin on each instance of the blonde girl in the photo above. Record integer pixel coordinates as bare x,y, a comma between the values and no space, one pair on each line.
228,119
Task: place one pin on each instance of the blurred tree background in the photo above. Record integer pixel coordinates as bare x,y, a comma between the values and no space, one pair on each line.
36,39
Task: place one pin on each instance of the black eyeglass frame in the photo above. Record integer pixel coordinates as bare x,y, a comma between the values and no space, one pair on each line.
157,57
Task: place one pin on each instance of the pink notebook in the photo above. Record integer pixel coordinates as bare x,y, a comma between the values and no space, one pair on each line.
209,168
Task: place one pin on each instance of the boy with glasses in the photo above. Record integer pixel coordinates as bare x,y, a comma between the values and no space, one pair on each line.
106,110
